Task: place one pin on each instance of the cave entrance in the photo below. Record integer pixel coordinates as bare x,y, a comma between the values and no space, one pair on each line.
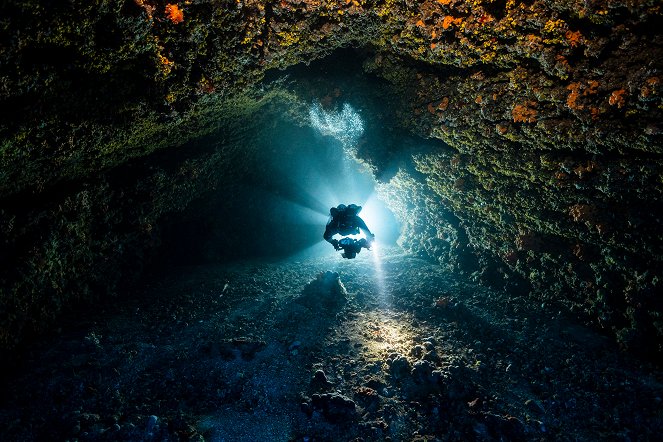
300,160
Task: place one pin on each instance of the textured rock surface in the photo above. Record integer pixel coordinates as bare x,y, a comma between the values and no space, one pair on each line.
554,170
548,174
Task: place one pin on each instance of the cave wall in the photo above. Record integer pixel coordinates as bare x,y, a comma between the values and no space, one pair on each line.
547,115
554,172
92,237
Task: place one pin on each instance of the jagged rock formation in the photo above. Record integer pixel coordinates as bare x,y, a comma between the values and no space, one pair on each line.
547,174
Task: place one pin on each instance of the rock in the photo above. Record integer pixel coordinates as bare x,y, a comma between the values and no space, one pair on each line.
431,356
534,406
503,428
375,429
400,367
417,351
376,384
243,347
367,398
422,372
438,376
152,425
89,418
320,376
306,408
334,407
248,347
481,431
456,380
326,289
320,380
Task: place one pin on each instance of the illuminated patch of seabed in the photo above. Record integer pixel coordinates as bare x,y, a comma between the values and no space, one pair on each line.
381,332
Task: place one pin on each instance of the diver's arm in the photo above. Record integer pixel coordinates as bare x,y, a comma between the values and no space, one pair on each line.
329,232
362,225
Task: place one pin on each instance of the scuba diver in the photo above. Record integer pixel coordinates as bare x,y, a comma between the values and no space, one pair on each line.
344,221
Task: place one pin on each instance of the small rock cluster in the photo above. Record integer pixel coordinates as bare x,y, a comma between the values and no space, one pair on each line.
325,290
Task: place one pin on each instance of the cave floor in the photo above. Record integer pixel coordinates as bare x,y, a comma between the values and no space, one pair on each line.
242,352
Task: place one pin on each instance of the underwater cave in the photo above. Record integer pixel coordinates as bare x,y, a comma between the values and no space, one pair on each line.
169,169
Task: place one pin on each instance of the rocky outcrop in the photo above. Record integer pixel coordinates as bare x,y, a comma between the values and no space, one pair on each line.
552,115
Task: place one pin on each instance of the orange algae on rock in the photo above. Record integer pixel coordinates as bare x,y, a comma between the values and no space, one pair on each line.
573,96
524,113
444,104
573,38
501,128
650,87
440,105
174,13
617,98
450,20
166,64
591,88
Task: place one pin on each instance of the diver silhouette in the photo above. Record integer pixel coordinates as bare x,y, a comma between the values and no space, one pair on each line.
344,221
